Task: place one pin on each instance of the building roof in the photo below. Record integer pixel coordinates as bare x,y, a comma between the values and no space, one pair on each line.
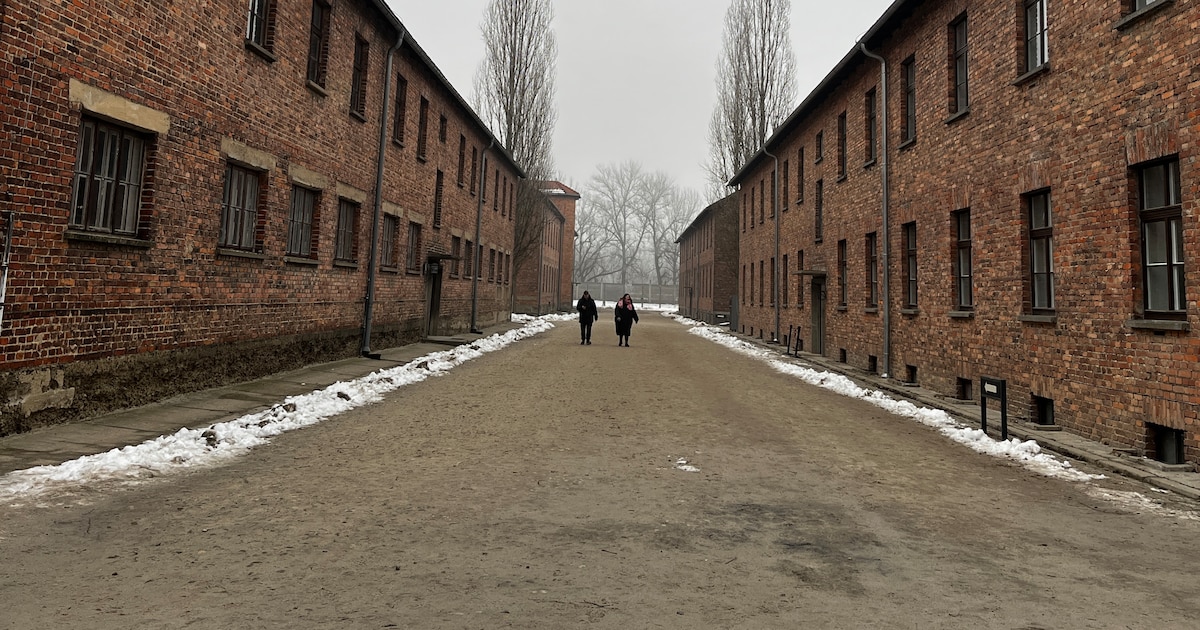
411,43
728,199
551,187
891,18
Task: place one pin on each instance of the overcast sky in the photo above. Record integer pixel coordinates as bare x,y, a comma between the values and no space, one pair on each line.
636,77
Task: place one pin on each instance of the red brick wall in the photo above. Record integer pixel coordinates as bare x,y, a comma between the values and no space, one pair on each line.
708,262
1111,99
75,298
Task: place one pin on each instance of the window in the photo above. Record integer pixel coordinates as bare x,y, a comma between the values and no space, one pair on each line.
496,191
909,231
239,209
774,192
842,267
744,204
963,288
958,46
786,199
908,110
483,185
346,241
819,141
1162,239
260,24
1037,54
869,119
871,256
751,207
401,100
761,281
423,129
800,278
462,159
442,128
390,240
841,145
774,287
492,266
783,299
762,202
800,176
468,260
300,221
818,208
437,199
456,255
1041,252
318,44
474,169
1138,5
109,172
751,302
413,260
358,77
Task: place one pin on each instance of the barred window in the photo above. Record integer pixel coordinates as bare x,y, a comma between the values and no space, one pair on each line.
109,172
239,208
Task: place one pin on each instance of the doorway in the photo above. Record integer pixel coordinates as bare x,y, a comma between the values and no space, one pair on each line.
818,316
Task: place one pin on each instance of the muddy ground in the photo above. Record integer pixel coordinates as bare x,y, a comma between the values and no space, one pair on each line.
538,487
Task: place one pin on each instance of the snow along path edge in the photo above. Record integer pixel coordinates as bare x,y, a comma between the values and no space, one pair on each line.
223,442
1027,453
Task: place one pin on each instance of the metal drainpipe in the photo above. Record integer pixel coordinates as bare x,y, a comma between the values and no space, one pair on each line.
887,241
775,210
541,282
372,265
477,254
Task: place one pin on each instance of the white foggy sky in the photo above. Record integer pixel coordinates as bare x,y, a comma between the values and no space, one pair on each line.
636,77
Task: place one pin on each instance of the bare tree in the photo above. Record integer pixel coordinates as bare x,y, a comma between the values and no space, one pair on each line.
665,210
594,246
514,91
756,86
614,195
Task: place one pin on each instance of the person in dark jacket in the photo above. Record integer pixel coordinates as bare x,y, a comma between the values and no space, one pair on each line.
587,315
624,315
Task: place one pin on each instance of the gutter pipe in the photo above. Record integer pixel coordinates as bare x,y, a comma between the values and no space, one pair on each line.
373,264
887,241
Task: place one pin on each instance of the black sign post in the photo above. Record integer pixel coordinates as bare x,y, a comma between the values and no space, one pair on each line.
996,389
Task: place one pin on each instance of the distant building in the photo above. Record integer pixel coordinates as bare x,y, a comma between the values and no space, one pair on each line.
1021,206
708,263
196,200
544,282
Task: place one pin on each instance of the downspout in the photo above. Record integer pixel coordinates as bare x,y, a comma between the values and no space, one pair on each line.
477,254
372,264
887,240
777,267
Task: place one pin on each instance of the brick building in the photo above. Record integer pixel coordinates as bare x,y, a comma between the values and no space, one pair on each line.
708,263
565,199
539,281
203,191
1017,200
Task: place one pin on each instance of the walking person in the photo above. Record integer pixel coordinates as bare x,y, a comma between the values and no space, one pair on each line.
587,315
624,315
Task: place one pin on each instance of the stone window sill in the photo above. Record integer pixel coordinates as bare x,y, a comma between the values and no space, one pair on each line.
107,239
961,314
1158,324
1137,16
1038,319
240,253
1032,74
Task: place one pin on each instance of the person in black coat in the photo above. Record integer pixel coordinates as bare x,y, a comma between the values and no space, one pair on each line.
587,315
624,315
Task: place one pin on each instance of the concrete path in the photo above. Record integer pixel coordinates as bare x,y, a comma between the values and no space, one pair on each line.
57,444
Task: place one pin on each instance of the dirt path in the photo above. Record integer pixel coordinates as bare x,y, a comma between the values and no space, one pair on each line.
537,487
